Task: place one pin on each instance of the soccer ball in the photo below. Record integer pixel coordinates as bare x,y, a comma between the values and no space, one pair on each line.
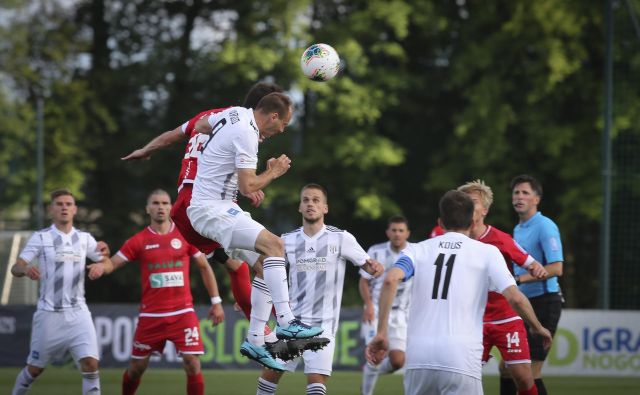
320,62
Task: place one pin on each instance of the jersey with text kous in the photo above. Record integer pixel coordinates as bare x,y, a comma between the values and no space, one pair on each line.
164,270
452,275
233,145
316,273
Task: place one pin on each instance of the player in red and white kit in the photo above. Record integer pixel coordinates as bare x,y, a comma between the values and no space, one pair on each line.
166,309
503,327
239,272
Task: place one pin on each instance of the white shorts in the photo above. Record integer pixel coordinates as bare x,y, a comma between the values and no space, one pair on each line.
319,362
226,223
54,333
397,330
442,382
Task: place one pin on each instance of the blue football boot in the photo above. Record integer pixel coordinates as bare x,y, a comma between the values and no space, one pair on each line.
260,355
297,330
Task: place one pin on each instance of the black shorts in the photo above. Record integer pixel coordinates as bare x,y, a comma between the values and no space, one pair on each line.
547,308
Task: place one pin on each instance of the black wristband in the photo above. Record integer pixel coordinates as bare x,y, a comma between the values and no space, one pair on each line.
517,280
219,256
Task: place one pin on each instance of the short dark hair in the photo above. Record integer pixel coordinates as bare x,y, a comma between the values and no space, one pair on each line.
275,102
456,210
158,191
60,192
522,178
257,92
398,219
318,187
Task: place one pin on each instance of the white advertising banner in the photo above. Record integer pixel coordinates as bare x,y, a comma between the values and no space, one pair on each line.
591,343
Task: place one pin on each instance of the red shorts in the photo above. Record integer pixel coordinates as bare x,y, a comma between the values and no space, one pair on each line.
152,333
180,218
510,338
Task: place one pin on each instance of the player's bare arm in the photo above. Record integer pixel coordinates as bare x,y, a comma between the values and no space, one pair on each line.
250,182
21,268
522,306
553,270
256,198
373,267
159,142
105,267
378,347
365,293
216,313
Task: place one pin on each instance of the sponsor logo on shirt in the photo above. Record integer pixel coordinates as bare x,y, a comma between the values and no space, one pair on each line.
311,249
233,211
151,246
311,264
166,279
333,249
176,243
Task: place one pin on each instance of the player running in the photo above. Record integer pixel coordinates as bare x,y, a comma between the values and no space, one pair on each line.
166,309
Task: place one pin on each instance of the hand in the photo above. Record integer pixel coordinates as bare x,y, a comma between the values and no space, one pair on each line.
368,313
376,266
96,270
546,336
377,349
537,271
256,197
280,165
137,155
33,273
103,249
216,314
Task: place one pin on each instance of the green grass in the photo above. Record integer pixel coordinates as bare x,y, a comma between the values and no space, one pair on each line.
65,381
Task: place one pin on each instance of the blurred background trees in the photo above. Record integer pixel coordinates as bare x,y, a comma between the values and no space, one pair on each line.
433,94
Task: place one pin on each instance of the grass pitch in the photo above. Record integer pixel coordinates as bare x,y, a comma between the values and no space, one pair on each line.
66,380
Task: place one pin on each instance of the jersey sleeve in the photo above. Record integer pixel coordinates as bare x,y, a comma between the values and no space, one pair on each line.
405,263
194,252
32,249
499,276
129,250
516,253
352,251
551,243
92,244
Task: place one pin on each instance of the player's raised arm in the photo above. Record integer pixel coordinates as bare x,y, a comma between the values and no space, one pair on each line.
250,182
157,143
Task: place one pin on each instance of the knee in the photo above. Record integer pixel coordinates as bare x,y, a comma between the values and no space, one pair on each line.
397,361
34,371
89,364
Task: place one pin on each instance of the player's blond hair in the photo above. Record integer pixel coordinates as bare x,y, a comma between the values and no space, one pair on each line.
478,186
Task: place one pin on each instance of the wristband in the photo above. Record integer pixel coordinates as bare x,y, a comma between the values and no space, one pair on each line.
517,278
216,300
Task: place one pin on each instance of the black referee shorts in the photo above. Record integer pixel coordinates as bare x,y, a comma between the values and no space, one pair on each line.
547,308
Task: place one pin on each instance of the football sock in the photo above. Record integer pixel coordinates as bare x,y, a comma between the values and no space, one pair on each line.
270,336
266,387
541,388
241,288
316,389
275,276
91,383
531,391
129,386
260,311
23,382
507,386
385,366
195,384
369,379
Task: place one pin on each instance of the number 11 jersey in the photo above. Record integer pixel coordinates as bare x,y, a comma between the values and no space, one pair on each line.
452,275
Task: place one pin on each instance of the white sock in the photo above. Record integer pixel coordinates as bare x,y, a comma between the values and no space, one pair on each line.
23,382
266,387
385,366
271,337
260,311
91,383
369,379
316,389
275,276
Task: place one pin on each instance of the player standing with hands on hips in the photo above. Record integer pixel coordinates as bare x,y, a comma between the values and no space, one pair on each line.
62,321
452,275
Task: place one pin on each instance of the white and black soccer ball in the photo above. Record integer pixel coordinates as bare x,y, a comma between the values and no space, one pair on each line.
320,62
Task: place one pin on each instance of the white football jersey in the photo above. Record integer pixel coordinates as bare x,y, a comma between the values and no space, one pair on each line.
387,257
452,275
233,144
62,262
316,273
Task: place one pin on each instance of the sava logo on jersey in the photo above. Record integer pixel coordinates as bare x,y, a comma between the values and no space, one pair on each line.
167,279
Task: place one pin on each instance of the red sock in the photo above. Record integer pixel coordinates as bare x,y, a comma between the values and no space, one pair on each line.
195,384
129,386
241,288
531,391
